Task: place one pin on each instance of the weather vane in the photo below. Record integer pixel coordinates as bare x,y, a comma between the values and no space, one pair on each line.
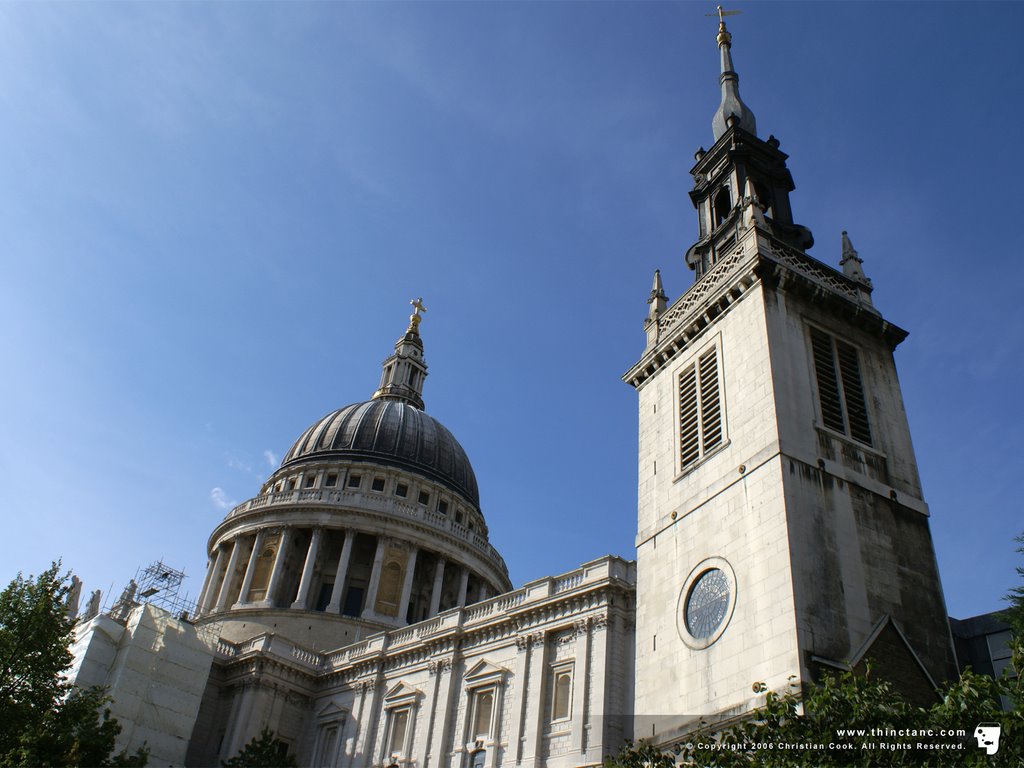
723,35
415,317
721,14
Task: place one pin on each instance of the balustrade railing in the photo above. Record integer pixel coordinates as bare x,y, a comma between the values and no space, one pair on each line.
537,591
569,581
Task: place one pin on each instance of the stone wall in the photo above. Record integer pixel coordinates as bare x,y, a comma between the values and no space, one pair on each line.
155,668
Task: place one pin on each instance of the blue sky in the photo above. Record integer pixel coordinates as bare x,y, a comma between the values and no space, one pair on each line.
213,217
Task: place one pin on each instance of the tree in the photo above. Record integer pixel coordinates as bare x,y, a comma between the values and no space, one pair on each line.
1015,597
46,720
264,751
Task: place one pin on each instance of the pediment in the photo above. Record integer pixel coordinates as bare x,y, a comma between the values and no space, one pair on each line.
483,673
402,692
331,711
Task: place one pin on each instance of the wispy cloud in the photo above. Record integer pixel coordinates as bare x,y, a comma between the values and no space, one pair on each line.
271,458
221,500
236,463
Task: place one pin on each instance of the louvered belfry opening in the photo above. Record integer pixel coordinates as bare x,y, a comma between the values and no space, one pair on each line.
710,401
840,387
853,389
700,408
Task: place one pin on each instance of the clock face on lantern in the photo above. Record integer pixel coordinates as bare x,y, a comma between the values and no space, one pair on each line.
707,603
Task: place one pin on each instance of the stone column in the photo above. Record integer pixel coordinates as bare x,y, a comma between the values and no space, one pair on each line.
579,684
210,591
535,699
358,722
410,570
211,570
202,590
250,570
481,593
371,590
370,711
229,576
339,576
435,595
463,586
598,708
515,731
438,747
275,574
307,570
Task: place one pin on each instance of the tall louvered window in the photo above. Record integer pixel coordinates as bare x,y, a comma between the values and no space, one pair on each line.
700,408
840,387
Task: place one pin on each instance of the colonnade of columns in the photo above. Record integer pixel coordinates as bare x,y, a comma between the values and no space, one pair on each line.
221,585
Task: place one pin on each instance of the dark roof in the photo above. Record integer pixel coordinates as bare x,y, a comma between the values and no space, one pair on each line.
985,624
392,433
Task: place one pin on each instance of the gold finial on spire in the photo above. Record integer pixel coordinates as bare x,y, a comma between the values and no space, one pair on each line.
416,317
723,34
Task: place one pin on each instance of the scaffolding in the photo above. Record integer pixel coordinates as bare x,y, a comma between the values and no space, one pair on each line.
160,585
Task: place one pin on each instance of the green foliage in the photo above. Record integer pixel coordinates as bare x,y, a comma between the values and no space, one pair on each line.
803,728
1015,597
640,755
46,721
34,639
264,751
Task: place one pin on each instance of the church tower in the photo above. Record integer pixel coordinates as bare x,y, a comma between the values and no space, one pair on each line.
781,526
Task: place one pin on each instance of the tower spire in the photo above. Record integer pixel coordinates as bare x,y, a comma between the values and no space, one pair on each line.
404,372
732,109
851,263
658,300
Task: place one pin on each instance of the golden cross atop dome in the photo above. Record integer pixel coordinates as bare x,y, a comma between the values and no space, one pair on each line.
416,317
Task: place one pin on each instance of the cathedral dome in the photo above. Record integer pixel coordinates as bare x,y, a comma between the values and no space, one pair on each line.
393,433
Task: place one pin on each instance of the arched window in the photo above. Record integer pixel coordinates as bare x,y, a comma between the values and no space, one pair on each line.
765,197
483,705
561,699
722,205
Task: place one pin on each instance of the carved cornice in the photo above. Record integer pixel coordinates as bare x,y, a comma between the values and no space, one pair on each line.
438,666
757,257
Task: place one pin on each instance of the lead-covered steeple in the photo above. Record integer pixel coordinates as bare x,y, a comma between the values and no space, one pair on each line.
404,372
742,180
732,110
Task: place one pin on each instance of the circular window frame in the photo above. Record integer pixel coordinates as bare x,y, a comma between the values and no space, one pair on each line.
709,564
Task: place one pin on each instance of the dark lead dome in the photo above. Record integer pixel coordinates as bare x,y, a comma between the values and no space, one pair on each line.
392,433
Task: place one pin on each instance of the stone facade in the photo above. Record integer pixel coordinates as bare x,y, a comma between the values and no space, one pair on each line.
780,519
196,699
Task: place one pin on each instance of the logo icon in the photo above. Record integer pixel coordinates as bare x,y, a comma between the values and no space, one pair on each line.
987,735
